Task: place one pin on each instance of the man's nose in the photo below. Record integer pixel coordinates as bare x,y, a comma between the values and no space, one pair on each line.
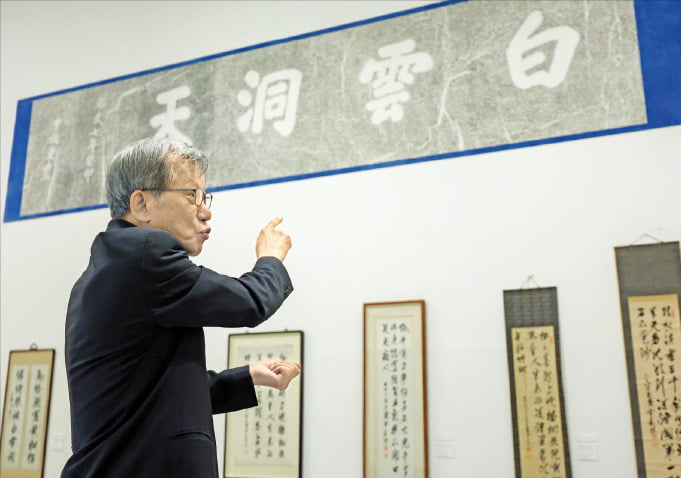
204,213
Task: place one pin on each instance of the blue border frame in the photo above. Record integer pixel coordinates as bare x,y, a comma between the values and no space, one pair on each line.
658,23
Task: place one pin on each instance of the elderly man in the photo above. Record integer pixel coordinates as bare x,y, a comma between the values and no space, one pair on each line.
141,397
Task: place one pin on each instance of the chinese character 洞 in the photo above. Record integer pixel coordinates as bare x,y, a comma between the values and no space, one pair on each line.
165,122
524,68
276,100
388,77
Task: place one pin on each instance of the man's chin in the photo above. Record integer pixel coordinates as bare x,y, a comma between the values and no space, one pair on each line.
195,252
194,249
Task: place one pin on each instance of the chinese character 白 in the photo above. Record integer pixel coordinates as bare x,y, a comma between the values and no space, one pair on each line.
523,68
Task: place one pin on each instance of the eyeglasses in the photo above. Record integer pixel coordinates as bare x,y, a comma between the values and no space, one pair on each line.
201,197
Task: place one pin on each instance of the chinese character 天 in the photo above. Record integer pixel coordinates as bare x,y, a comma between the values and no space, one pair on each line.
165,122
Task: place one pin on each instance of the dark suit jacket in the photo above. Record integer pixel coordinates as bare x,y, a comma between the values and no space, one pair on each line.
141,397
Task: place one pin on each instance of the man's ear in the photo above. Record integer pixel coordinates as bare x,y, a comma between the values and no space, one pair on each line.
139,207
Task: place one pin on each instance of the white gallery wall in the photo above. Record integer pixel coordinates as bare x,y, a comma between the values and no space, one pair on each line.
453,232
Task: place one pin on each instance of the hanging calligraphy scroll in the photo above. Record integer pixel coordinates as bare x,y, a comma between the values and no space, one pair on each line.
26,413
266,441
395,418
537,404
650,286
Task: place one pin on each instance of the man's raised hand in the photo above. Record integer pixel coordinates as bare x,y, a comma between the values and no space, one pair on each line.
272,242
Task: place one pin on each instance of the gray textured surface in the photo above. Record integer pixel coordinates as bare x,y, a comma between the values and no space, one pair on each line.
531,307
466,100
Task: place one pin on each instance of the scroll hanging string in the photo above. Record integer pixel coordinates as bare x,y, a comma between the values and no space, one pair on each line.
647,236
528,283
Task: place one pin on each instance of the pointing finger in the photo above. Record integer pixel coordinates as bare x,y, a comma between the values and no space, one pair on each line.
274,222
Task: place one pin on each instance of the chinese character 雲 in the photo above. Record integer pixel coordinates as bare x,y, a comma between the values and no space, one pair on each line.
388,77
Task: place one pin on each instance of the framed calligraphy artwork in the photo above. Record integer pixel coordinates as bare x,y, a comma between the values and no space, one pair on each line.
26,413
649,278
395,392
266,441
540,436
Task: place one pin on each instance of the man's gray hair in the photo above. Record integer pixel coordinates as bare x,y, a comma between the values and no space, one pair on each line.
144,165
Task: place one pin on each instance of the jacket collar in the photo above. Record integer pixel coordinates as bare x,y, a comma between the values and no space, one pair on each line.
118,224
